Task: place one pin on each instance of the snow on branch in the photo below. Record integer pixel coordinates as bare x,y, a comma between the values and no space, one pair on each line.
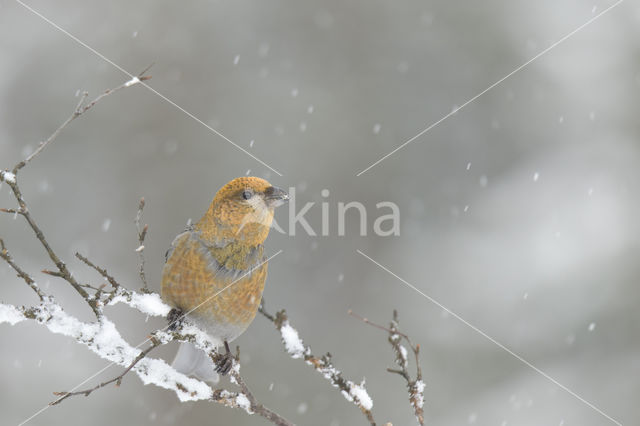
295,347
102,338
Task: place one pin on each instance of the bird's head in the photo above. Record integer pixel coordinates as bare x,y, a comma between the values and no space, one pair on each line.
242,210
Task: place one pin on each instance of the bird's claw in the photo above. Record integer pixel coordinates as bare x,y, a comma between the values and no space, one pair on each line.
224,364
175,318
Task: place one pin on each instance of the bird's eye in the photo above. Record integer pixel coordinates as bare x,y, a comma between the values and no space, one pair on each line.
247,194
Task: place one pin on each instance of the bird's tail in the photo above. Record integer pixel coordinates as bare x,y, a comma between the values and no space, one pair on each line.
194,362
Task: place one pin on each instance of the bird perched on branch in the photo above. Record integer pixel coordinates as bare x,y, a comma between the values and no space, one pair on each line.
216,269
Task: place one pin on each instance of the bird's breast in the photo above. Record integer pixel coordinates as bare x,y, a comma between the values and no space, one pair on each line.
201,280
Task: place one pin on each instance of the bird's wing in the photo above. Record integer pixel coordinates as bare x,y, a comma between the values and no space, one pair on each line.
222,300
190,271
185,234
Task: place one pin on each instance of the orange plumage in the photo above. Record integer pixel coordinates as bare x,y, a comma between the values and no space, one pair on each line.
216,270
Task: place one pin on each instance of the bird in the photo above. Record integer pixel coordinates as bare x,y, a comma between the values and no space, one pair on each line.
215,271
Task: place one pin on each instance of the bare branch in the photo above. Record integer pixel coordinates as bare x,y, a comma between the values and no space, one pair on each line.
380,327
43,144
415,386
100,270
14,211
62,272
99,291
78,111
142,233
4,253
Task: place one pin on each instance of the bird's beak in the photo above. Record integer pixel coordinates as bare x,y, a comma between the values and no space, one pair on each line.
275,196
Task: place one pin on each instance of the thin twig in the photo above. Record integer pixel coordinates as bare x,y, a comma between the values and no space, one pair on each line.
4,253
264,312
13,211
99,290
63,271
78,111
378,326
415,386
117,380
115,284
257,407
142,233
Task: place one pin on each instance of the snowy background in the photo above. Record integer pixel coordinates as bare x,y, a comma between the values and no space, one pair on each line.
519,213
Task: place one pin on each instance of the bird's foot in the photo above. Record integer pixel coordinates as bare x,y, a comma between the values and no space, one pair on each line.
224,362
175,318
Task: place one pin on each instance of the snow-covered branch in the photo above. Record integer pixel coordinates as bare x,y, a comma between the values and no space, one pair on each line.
295,347
103,338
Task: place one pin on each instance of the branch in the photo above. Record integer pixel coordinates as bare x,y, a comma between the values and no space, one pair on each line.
254,405
185,331
296,349
117,380
4,253
147,302
79,110
101,271
62,272
11,179
142,233
103,338
415,386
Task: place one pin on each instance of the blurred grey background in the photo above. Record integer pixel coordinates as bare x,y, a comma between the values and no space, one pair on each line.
519,213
